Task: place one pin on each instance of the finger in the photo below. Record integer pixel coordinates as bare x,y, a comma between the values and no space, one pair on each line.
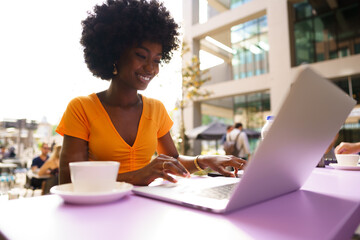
237,165
179,168
161,159
169,178
224,172
339,150
176,168
236,162
240,160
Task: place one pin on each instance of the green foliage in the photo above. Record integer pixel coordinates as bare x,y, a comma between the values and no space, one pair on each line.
192,81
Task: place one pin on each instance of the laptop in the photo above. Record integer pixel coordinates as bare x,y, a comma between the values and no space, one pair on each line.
310,116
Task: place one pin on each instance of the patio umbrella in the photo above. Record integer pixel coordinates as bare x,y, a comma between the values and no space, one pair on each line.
213,131
252,133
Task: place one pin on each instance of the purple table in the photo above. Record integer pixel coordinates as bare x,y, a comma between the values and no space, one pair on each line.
327,207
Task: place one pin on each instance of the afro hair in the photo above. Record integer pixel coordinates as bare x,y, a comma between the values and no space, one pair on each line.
119,24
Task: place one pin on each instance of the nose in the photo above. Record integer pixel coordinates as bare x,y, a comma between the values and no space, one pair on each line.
150,67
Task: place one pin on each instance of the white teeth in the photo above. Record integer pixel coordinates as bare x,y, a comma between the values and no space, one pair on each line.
144,78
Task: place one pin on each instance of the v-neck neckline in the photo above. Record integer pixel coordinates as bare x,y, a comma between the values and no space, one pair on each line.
112,125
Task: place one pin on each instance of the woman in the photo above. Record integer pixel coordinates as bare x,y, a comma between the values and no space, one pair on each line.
50,169
51,166
124,42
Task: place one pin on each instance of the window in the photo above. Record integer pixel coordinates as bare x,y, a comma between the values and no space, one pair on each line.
350,131
249,109
323,32
250,42
210,9
252,109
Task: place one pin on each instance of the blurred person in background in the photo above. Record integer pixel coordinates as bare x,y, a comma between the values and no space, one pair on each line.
40,160
347,148
50,169
11,153
229,128
242,142
2,152
37,163
51,166
125,42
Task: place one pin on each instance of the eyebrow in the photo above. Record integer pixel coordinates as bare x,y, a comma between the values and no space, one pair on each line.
144,48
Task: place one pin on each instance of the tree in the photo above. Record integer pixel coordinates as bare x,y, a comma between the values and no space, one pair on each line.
192,80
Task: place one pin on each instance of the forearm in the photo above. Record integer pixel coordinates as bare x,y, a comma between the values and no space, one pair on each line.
64,165
140,177
189,162
215,162
43,170
64,173
133,177
73,150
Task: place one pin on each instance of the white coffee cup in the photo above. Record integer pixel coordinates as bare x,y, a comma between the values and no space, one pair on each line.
94,176
347,159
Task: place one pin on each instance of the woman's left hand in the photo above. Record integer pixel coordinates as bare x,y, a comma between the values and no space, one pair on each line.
219,163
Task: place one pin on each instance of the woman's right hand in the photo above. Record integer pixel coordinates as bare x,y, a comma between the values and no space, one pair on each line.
160,167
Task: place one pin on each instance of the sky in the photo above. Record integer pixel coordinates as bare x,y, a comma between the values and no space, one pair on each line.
41,60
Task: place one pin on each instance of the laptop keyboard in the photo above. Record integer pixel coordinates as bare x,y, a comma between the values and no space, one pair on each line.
220,192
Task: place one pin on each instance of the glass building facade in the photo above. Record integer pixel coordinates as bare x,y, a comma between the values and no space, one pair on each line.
250,41
237,3
249,109
252,109
208,10
350,132
323,31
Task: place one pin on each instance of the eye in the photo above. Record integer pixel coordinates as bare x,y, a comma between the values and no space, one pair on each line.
140,55
157,61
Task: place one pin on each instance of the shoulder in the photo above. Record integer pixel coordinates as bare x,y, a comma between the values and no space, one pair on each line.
235,132
152,102
243,135
153,107
83,100
84,105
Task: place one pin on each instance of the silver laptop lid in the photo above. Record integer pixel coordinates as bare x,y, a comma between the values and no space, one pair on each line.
309,118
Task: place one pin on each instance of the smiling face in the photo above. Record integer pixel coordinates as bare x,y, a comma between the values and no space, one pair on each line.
139,65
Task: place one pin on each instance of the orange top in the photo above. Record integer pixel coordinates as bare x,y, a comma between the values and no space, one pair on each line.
87,119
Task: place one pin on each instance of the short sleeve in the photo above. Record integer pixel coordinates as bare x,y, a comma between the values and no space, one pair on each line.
165,122
33,163
74,122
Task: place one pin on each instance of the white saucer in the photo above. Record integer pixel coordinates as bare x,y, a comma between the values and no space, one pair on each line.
66,192
337,166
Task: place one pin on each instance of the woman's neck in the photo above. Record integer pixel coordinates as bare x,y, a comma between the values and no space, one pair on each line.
120,97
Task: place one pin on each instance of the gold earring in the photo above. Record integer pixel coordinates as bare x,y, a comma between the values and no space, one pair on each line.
115,70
